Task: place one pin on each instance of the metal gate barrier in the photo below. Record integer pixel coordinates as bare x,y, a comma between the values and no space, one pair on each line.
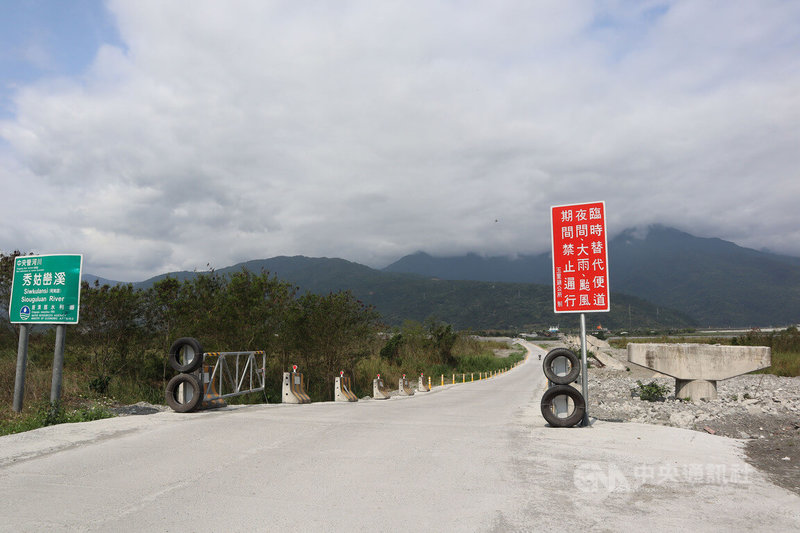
205,379
235,373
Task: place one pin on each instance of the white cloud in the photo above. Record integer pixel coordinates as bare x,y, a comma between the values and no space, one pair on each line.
366,130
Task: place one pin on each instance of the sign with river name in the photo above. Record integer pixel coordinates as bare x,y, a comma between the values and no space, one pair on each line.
46,289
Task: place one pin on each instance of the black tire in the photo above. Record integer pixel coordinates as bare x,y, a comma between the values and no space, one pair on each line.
180,348
579,404
573,373
190,381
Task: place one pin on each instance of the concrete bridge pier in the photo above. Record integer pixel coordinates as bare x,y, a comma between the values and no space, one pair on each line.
697,367
696,388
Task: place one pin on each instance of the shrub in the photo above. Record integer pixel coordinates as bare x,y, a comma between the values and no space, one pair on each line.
651,392
99,384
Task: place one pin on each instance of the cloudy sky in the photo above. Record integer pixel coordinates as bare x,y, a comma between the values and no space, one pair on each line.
163,135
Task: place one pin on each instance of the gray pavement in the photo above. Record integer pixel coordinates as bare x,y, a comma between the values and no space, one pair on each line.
465,457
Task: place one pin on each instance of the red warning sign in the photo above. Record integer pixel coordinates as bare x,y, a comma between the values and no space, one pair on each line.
580,258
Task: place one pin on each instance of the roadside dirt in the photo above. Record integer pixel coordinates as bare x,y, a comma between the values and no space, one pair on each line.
774,446
761,410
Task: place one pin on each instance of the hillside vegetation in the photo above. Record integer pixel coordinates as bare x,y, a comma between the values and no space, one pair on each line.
476,305
117,353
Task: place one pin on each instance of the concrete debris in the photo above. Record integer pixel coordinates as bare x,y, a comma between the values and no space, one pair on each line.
615,395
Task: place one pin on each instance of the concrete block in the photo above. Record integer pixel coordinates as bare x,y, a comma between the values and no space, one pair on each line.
423,384
342,390
379,392
294,390
697,367
404,388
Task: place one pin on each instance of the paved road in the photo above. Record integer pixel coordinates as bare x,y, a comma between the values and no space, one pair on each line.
466,457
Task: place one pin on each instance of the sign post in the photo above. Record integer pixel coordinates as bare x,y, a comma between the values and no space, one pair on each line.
580,269
46,289
22,363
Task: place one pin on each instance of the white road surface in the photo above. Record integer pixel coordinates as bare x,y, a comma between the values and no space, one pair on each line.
465,457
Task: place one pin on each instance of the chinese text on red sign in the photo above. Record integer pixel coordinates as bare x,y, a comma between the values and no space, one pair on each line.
580,258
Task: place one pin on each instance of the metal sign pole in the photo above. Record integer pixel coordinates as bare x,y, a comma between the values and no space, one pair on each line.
584,372
58,363
22,363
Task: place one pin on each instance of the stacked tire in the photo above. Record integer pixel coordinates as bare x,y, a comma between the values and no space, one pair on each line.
185,391
562,368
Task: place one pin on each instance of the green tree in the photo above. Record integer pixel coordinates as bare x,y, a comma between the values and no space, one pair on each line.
441,339
329,334
252,309
391,350
7,330
198,309
110,328
162,309
242,311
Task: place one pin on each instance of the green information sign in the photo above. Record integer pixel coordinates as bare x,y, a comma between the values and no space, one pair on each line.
46,289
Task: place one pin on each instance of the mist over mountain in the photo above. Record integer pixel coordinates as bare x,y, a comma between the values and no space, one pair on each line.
474,267
716,282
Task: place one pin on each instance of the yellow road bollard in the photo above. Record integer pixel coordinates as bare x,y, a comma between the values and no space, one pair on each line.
463,378
472,376
442,380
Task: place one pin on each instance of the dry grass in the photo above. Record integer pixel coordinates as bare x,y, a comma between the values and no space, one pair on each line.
38,382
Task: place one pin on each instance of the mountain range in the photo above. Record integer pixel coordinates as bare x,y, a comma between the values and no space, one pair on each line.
714,281
661,278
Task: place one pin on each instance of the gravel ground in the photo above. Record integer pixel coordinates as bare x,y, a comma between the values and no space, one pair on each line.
763,410
141,408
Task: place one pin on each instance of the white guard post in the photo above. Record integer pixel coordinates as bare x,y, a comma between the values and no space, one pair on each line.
404,388
423,385
342,390
379,392
293,388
